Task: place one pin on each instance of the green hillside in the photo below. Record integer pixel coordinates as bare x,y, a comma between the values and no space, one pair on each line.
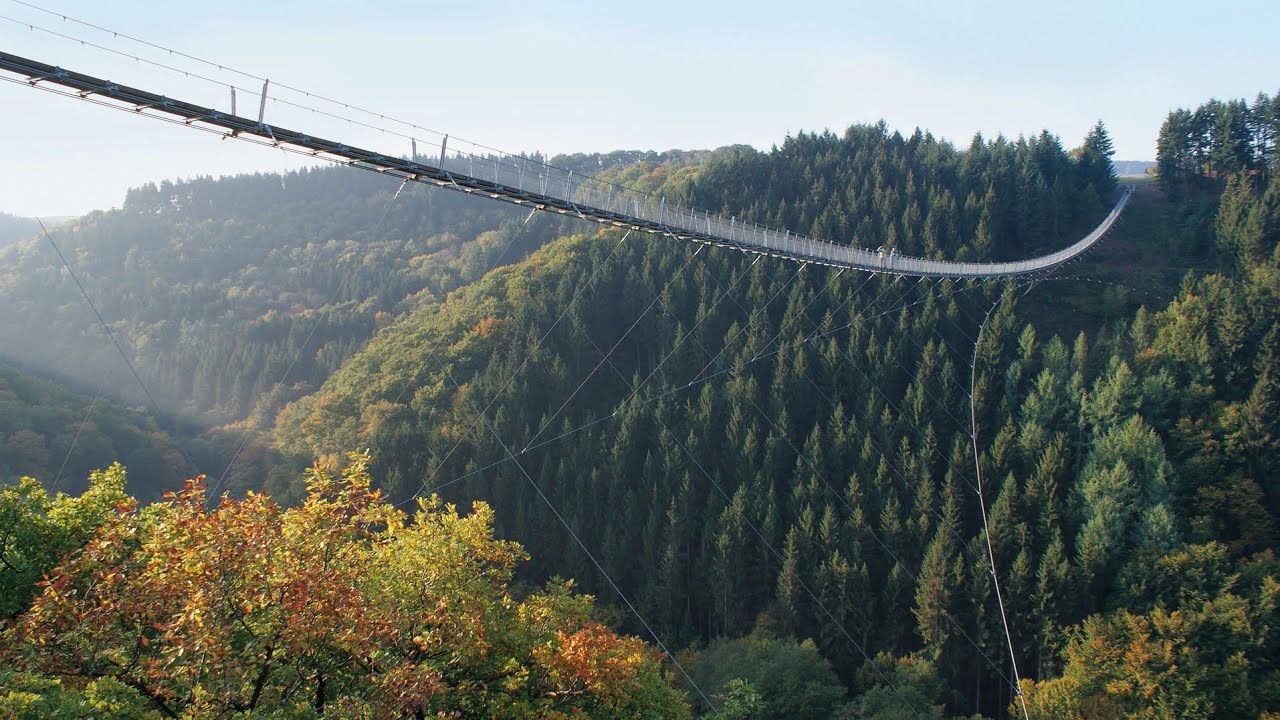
765,431
233,296
774,462
214,284
50,431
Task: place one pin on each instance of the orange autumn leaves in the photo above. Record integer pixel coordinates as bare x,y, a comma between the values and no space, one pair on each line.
342,607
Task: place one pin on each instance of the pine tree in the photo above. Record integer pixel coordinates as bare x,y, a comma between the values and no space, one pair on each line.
730,565
789,600
1230,147
1238,239
1174,159
1095,161
1051,604
835,576
936,582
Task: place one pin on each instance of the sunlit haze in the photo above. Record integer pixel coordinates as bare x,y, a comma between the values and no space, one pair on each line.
577,76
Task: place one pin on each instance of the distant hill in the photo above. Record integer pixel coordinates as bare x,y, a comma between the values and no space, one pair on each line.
1129,168
214,286
14,228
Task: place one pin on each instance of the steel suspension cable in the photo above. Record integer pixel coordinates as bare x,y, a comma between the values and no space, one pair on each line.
494,156
986,528
226,68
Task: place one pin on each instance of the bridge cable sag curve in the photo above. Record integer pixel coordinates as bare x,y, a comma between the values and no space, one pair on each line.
531,183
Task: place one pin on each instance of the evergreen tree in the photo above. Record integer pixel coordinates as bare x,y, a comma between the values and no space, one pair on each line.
1095,161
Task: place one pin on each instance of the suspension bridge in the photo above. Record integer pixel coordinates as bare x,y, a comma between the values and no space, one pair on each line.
532,183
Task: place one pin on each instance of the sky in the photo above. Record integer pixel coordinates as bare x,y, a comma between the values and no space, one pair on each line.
580,76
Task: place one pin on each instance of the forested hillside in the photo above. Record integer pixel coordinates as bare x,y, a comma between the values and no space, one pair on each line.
214,284
49,430
216,288
996,200
786,450
774,462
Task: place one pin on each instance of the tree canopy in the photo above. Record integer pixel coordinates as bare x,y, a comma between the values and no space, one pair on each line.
342,606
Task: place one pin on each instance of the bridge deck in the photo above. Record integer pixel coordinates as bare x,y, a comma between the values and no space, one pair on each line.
525,181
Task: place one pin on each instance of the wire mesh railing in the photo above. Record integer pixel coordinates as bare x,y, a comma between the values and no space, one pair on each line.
603,200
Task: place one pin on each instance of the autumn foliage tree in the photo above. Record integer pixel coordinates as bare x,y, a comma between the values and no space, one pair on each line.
341,607
36,530
1187,646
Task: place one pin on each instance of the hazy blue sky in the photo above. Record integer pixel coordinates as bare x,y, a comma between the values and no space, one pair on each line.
561,76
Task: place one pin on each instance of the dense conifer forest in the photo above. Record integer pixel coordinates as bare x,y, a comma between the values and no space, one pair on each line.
773,463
